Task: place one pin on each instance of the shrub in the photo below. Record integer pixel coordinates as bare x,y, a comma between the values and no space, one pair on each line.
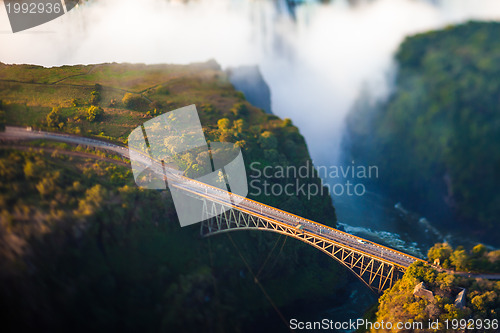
2,121
226,137
240,125
240,95
224,124
2,117
162,90
287,122
54,118
133,101
156,105
95,97
239,109
94,113
267,140
208,108
153,113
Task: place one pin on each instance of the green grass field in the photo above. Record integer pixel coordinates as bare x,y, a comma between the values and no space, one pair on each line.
30,92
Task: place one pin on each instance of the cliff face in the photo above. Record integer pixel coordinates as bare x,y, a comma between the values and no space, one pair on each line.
83,247
249,80
436,139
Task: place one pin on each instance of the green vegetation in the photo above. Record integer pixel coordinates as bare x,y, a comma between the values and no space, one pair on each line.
54,118
436,140
239,110
162,90
399,304
225,115
402,304
479,259
133,101
94,113
83,247
95,95
86,246
2,117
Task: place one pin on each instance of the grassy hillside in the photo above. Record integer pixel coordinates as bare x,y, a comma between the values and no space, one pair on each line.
437,139
82,248
31,92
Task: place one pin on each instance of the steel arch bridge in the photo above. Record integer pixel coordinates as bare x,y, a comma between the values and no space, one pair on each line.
377,273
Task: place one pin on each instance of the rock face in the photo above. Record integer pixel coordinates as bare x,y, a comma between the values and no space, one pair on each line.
249,80
460,299
422,292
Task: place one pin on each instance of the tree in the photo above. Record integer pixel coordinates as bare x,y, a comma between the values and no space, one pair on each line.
158,105
445,280
479,249
153,113
95,97
240,125
162,90
483,302
226,137
48,185
290,149
2,121
134,101
287,122
239,109
30,170
267,140
441,251
494,256
240,95
224,124
94,113
208,108
54,118
94,199
459,259
240,144
2,117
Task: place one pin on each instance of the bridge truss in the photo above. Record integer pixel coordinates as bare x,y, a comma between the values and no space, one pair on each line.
376,273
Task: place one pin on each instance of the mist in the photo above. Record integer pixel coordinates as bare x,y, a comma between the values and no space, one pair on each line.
316,60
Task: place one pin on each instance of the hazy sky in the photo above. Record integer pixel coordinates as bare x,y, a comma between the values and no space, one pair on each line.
314,65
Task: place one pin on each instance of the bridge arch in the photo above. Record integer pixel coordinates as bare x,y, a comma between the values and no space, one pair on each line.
374,272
